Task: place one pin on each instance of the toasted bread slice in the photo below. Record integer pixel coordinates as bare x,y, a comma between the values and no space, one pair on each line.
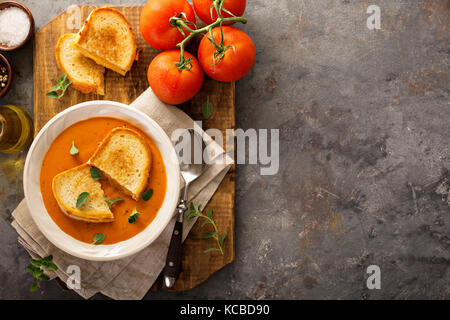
125,159
68,185
86,75
107,38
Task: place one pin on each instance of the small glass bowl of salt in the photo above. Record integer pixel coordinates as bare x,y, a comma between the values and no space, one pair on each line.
16,25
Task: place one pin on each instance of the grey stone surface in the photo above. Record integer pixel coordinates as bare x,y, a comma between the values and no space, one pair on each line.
364,155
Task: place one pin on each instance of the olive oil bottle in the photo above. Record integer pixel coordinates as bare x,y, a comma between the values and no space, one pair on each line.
16,129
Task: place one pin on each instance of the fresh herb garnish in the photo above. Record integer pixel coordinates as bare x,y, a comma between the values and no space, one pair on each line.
111,202
207,109
73,149
133,216
147,195
82,198
95,173
99,238
208,220
36,271
58,90
34,286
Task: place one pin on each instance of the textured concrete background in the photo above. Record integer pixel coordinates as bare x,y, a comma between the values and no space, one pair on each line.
364,155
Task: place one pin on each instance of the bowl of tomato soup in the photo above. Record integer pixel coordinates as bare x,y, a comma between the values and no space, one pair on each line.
84,126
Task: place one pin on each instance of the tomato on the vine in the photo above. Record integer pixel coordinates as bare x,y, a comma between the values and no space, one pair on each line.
233,61
204,12
171,85
155,26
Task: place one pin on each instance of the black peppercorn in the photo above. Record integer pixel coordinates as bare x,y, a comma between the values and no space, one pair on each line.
3,76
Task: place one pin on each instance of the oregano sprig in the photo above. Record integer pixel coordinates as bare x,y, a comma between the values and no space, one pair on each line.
197,212
133,216
38,273
111,202
58,90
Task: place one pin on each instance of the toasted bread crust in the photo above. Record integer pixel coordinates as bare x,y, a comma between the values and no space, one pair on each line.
98,217
83,35
146,169
78,85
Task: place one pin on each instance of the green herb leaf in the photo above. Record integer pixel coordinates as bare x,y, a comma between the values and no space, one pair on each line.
205,223
58,90
210,249
43,277
99,238
207,109
192,207
36,263
208,235
133,216
82,199
73,149
35,272
222,238
111,202
191,215
34,286
62,79
95,173
55,88
147,195
210,212
51,266
52,94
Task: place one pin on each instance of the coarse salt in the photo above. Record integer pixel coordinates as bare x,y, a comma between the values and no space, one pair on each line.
14,26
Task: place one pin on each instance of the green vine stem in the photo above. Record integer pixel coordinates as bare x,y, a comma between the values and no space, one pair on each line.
181,23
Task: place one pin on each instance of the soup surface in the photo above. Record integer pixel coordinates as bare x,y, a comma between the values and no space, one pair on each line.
87,135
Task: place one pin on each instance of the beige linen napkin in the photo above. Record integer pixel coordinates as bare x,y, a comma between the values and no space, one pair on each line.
131,277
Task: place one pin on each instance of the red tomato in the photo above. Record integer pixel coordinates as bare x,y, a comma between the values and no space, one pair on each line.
236,62
202,8
171,85
154,23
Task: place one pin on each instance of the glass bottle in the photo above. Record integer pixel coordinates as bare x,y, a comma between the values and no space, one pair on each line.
16,129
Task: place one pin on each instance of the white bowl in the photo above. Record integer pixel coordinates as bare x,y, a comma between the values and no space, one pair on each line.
32,173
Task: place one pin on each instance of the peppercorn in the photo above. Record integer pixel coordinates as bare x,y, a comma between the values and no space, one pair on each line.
3,76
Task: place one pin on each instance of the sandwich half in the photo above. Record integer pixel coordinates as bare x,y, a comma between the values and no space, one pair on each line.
124,157
67,187
86,75
107,38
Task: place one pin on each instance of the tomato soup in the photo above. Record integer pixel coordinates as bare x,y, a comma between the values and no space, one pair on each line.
87,135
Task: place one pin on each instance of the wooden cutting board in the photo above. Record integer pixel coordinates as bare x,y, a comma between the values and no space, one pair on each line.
197,266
